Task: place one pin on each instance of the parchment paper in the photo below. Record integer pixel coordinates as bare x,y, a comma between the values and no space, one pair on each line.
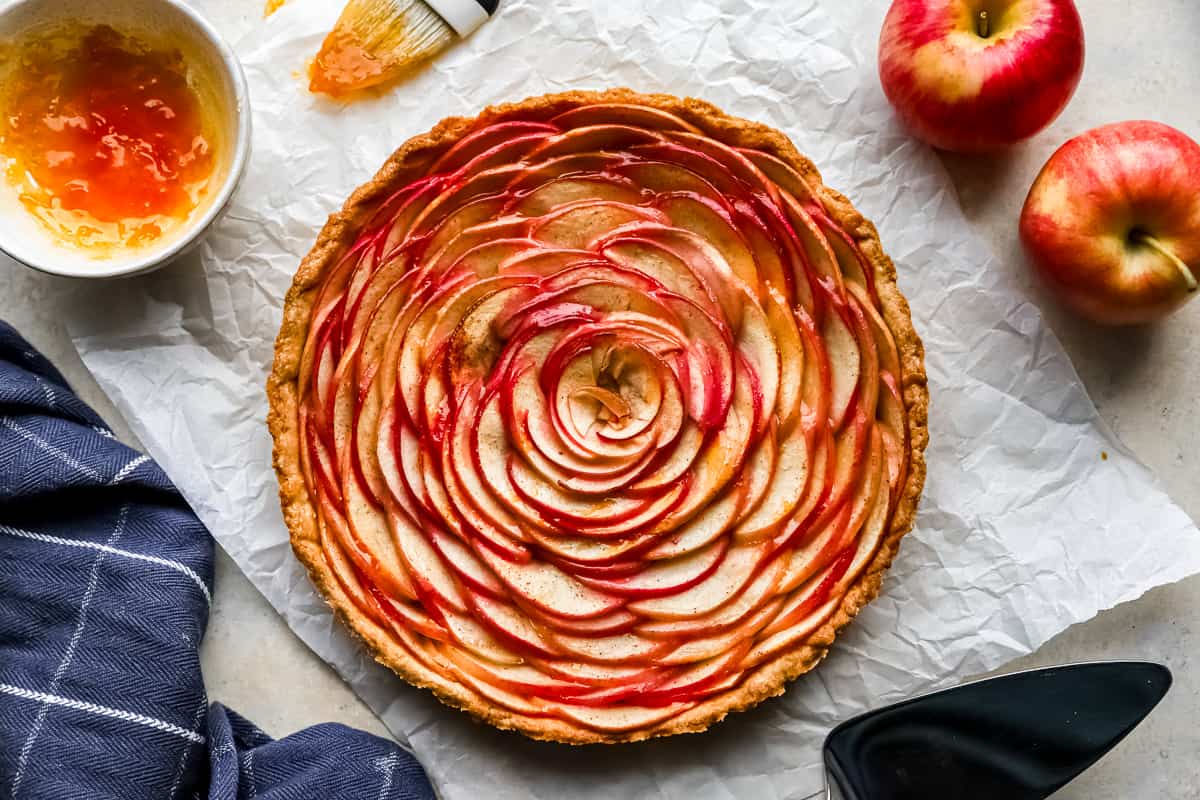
1025,528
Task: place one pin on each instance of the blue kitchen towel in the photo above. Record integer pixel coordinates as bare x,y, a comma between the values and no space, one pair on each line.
105,586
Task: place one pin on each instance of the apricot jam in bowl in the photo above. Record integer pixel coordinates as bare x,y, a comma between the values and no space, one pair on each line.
124,130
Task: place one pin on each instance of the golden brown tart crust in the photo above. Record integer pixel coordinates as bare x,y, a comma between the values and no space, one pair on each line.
412,161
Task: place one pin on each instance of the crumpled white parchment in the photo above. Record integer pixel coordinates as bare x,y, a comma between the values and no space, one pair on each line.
1024,528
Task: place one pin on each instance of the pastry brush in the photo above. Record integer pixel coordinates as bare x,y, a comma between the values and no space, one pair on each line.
376,41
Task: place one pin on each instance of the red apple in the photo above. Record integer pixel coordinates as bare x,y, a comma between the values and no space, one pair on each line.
979,75
1113,222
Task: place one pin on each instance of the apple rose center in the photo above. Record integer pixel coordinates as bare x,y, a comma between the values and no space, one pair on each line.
601,415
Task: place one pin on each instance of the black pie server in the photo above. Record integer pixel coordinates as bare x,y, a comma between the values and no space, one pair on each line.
1015,737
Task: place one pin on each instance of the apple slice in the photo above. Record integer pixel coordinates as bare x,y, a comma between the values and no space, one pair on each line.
839,532
561,191
596,674
369,545
788,481
394,233
426,567
488,138
585,555
684,156
618,719
845,365
520,678
614,624
787,640
621,114
522,704
664,178
786,337
736,570
622,649
808,599
347,576
667,576
512,627
697,679
516,149
759,593
578,225
894,430
820,262
687,446
704,261
856,270
461,192
757,346
603,137
711,222
404,617
548,588
707,526
489,519
476,639
758,472
707,151
479,251
703,649
466,565
885,344
870,536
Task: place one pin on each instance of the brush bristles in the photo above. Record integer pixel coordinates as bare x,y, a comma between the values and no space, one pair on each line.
376,41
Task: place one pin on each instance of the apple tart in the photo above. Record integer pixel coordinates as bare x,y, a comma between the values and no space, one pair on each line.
598,414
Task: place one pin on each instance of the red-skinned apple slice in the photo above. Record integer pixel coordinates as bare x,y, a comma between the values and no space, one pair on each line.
621,114
578,225
665,577
426,567
486,139
604,137
785,640
512,627
788,481
735,571
710,222
701,529
703,649
614,624
522,704
462,559
561,191
595,674
616,719
621,649
518,678
756,595
546,587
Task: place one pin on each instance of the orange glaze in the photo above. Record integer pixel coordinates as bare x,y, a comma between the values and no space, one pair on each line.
343,66
104,137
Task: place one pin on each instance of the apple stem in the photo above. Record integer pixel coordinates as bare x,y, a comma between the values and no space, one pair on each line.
985,26
1162,249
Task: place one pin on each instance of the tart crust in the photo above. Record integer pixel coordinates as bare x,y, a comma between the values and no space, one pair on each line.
412,161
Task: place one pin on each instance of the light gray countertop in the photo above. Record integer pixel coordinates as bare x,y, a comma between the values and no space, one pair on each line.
1143,62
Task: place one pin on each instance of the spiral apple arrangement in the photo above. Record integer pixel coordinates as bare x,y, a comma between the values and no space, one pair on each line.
601,416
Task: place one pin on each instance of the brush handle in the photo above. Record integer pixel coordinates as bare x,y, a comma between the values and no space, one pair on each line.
463,15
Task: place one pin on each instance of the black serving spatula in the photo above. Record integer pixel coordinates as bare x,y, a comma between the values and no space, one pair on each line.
1014,737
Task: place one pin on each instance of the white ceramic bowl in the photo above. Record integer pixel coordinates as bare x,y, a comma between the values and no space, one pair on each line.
26,240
